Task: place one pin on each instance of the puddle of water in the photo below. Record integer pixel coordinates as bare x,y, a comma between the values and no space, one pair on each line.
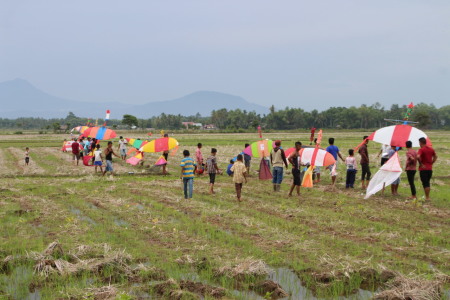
291,283
140,206
247,295
121,223
191,277
36,295
17,283
82,217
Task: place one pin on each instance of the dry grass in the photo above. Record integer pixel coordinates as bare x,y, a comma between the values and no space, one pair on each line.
246,267
404,288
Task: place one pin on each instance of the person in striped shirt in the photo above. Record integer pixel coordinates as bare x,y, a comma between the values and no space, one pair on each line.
188,168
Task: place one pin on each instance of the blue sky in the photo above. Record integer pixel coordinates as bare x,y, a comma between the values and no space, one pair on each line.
309,54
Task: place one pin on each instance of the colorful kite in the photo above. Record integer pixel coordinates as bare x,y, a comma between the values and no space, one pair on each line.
161,161
398,135
135,159
322,157
80,129
159,145
136,143
388,173
100,133
259,149
307,177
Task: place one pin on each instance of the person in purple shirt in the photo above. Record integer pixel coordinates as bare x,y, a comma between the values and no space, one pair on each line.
333,150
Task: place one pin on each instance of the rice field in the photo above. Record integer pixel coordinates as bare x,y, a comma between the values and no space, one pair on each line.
68,233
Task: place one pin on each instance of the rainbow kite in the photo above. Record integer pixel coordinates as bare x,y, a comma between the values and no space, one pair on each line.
100,133
159,145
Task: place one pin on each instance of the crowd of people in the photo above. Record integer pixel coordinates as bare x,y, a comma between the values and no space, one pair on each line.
239,167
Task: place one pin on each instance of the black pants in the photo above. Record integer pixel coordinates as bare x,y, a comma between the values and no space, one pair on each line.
411,174
425,177
365,172
350,179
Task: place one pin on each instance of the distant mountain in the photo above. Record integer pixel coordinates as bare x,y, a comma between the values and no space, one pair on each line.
19,98
202,102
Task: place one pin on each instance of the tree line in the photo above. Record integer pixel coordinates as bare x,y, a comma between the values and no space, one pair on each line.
362,117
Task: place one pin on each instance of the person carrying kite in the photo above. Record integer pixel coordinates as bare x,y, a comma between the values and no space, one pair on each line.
277,158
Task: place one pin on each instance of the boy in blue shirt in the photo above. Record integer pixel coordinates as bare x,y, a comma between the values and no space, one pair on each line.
333,150
188,168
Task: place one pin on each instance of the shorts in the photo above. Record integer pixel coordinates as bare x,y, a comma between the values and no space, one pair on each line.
98,163
397,181
123,152
296,175
425,177
109,166
212,178
247,163
365,172
27,159
330,167
76,156
316,170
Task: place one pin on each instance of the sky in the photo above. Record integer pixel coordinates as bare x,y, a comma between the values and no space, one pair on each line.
307,54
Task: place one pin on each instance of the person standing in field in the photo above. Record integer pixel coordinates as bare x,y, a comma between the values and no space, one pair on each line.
239,176
333,150
316,171
109,152
384,152
75,151
426,156
98,159
350,163
277,158
122,148
188,168
364,162
213,169
411,168
199,156
247,160
165,154
294,159
395,184
230,165
27,156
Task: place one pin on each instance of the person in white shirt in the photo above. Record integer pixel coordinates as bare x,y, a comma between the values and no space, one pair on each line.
98,158
122,148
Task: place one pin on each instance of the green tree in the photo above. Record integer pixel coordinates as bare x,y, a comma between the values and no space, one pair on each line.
130,120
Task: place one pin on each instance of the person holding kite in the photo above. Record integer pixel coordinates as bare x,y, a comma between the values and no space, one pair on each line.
277,158
426,158
333,150
364,162
294,159
395,184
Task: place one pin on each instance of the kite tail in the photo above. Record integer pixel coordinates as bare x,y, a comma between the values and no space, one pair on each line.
359,146
307,177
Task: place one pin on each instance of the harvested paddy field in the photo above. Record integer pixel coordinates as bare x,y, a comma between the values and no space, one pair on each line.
68,233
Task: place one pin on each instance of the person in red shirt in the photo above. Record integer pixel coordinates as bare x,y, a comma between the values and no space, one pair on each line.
411,168
75,151
426,158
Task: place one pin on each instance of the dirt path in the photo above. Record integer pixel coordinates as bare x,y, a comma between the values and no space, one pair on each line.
4,164
19,164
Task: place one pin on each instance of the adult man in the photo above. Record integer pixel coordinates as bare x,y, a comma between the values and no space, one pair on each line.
333,150
75,151
364,162
294,159
277,158
109,152
426,156
122,147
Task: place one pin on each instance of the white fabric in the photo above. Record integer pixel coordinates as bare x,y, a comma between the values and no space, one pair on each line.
307,154
387,174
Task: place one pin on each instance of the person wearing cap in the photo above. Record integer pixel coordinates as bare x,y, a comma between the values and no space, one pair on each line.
277,158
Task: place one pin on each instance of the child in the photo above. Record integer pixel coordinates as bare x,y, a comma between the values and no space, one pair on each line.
212,168
294,159
188,168
350,162
27,156
98,159
229,172
247,160
239,175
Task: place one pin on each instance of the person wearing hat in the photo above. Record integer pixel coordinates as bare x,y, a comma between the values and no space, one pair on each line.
277,158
